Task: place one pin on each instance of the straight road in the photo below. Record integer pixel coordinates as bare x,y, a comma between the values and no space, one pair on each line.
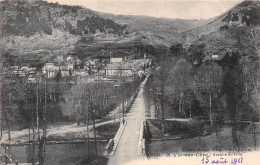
127,148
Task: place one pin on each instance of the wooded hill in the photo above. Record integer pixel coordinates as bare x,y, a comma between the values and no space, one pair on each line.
225,31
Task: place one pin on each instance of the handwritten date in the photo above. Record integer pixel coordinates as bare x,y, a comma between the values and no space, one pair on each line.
232,161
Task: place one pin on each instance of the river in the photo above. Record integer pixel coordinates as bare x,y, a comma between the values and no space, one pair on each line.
56,154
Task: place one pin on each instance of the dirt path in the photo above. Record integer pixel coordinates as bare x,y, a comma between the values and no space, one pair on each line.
52,131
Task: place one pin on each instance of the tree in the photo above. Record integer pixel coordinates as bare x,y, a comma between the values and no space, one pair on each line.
181,82
12,97
249,40
209,77
177,49
42,139
72,105
250,106
161,76
196,53
233,90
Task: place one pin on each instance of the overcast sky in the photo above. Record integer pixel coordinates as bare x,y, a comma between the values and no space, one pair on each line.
186,9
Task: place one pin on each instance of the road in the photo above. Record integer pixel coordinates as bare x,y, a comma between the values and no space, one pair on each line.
128,144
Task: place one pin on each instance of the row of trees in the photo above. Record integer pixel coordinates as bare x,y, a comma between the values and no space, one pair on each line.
92,101
101,96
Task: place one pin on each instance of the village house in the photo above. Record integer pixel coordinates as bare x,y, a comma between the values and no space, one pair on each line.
70,59
60,58
102,71
25,68
212,57
215,57
51,69
127,72
116,59
80,72
32,71
90,62
140,72
22,73
32,78
70,66
15,72
207,58
119,69
78,61
94,70
111,70
51,73
14,68
64,71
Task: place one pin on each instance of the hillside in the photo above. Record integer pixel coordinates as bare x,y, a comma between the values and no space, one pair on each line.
166,29
51,29
25,19
40,31
222,33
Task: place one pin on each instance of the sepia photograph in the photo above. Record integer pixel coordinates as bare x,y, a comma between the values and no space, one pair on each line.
129,82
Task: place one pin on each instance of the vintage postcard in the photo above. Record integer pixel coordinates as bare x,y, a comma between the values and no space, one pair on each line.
129,82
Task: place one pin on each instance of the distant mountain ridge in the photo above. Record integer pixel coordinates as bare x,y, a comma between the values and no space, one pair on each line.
147,23
164,28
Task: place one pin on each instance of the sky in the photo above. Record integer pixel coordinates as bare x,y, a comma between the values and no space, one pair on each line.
184,9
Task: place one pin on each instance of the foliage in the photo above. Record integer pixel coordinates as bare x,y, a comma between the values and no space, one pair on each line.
196,53
177,49
249,40
25,19
209,78
83,98
247,11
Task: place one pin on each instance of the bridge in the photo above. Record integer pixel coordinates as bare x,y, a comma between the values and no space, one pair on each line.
129,146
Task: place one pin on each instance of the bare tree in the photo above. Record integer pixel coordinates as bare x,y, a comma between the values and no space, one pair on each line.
161,76
42,139
209,77
180,82
249,41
